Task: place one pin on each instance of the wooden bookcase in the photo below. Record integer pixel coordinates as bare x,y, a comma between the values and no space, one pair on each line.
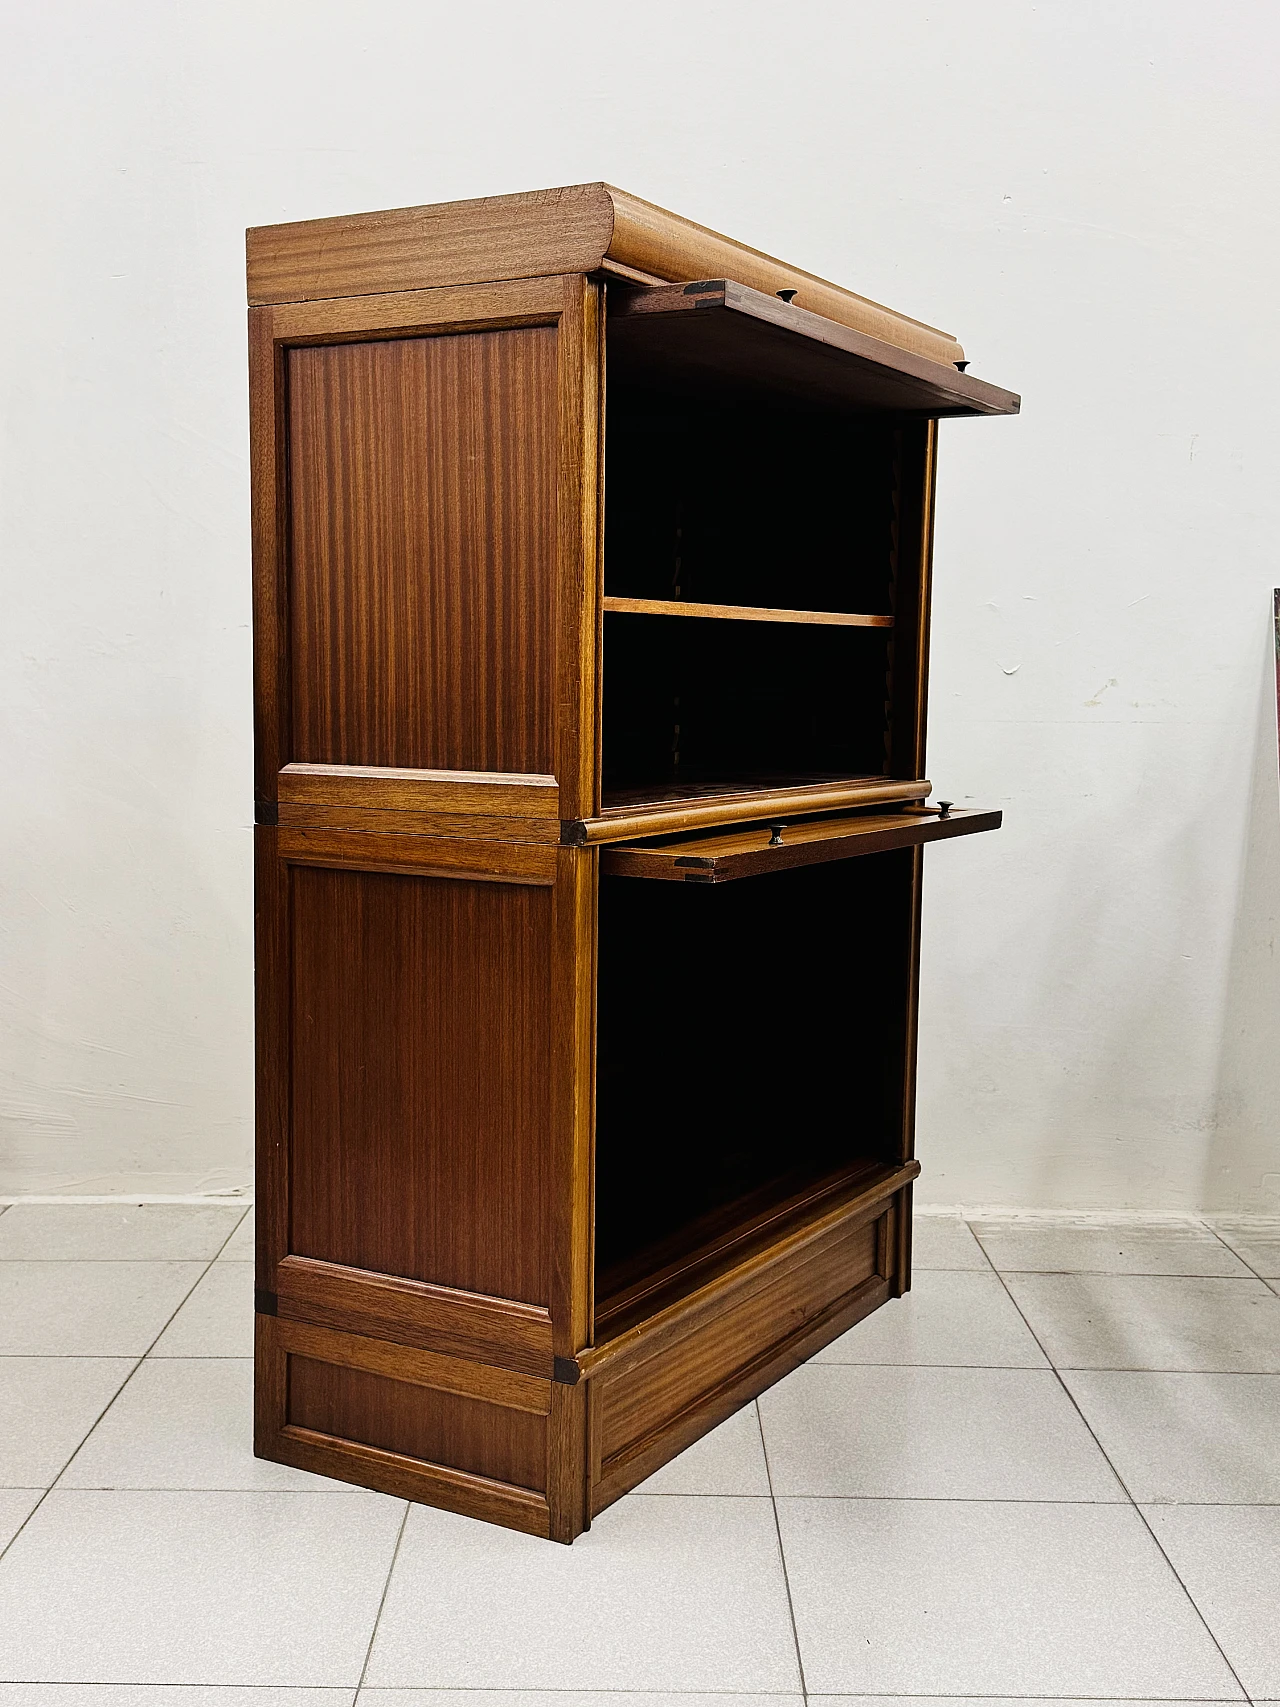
591,559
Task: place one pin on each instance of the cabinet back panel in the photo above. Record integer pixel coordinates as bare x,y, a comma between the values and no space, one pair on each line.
747,1032
419,1042
419,1422
422,525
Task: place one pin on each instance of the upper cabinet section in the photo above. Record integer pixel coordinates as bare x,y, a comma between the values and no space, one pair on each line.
584,228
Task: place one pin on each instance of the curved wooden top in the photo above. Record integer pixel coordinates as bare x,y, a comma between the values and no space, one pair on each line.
578,229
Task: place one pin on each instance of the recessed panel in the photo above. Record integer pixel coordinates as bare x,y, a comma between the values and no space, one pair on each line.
419,1422
422,546
419,1069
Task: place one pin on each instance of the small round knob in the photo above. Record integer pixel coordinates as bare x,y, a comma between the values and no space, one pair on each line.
786,295
944,808
775,835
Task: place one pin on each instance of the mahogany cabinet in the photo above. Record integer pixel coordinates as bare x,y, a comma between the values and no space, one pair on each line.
591,558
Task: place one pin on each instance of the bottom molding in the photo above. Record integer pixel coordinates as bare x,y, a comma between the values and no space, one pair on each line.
412,1479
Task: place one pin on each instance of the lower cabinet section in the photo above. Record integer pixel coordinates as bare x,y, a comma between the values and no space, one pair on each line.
542,1455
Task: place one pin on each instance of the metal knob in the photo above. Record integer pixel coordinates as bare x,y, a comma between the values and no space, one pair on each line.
944,808
775,835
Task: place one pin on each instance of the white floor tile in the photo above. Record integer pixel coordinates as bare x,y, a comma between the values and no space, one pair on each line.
1175,1439
239,1247
265,1588
924,1433
182,1422
47,1406
217,1319
1111,1321
1018,1246
165,1695
88,1309
907,1597
947,1317
945,1241
16,1506
729,1460
1257,1242
676,1594
125,1232
1229,1558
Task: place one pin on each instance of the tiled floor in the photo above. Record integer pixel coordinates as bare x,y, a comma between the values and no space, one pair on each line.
1051,1473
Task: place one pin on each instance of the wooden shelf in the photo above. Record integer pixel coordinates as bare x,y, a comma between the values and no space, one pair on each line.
742,613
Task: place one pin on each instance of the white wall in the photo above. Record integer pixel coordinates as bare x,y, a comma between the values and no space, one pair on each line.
1085,193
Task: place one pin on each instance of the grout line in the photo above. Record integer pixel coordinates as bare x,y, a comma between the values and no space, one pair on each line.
647,1694
782,1553
382,1601
1142,1517
1238,1255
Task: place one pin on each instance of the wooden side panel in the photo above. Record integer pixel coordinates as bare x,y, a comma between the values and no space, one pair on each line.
423,477
419,1041
418,1422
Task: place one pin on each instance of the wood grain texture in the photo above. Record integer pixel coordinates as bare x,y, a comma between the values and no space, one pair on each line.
578,570
493,237
908,732
423,524
721,858
419,856
410,1479
420,1036
741,613
573,1020
468,826
761,1270
629,1468
397,314
442,1319
398,790
573,229
269,516
664,245
722,336
463,1376
418,1422
666,816
645,1399
271,1054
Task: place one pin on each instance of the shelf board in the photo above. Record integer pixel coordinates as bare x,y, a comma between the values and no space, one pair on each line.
742,613
633,1292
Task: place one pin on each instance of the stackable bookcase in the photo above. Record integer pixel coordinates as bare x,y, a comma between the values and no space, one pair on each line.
592,558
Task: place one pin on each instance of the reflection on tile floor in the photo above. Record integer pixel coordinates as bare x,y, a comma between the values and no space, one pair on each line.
1052,1472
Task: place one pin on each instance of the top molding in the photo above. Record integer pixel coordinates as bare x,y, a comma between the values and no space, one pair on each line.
582,228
